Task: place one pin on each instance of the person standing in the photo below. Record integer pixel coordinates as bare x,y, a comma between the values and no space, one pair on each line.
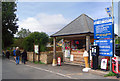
24,56
3,54
7,54
17,55
14,54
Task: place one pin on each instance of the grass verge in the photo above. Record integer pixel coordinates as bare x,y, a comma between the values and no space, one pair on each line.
110,74
36,62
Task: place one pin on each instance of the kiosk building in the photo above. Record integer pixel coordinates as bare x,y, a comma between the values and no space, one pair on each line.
77,36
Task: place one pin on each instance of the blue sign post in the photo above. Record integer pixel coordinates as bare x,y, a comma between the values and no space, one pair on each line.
105,47
103,28
109,11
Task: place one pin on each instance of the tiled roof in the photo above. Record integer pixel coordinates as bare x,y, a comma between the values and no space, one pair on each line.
82,24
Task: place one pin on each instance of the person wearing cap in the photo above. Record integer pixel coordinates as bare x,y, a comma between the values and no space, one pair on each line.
17,55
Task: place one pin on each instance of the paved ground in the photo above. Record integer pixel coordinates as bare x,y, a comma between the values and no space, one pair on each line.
40,71
0,67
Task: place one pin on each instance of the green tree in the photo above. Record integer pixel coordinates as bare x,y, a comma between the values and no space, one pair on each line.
36,38
51,40
23,33
9,25
18,42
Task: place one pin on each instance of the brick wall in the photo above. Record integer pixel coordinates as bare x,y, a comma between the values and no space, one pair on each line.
45,57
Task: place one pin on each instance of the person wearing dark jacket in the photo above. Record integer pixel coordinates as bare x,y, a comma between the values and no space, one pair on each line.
3,54
17,55
24,54
7,54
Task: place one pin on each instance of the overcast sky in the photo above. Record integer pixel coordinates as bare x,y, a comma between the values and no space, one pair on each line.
50,17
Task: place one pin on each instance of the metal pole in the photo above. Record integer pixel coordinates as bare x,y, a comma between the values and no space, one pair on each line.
38,53
112,12
110,63
113,36
33,53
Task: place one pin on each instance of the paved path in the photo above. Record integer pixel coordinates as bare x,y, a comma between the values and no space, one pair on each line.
42,71
0,67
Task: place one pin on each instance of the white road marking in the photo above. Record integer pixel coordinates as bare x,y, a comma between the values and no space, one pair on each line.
15,61
74,74
12,61
49,71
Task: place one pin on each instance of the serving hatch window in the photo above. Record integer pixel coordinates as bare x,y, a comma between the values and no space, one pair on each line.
78,44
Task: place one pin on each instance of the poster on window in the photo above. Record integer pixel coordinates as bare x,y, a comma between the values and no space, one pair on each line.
67,53
71,58
63,46
104,63
36,47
